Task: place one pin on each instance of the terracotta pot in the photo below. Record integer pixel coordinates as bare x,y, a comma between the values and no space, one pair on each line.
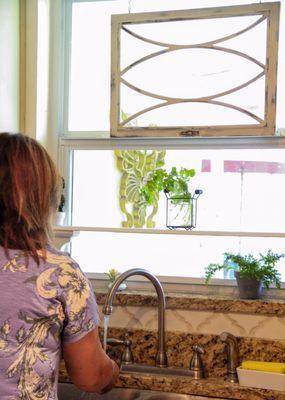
249,288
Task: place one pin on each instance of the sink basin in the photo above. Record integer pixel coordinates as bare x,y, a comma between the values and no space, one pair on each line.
67,391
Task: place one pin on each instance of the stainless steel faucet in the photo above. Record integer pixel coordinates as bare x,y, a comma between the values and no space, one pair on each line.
161,358
232,355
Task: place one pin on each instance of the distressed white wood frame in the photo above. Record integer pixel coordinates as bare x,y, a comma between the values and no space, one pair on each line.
267,11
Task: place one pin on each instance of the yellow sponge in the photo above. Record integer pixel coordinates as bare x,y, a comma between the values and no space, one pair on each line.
264,366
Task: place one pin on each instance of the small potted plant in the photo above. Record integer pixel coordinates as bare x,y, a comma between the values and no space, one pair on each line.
113,274
250,272
175,186
60,215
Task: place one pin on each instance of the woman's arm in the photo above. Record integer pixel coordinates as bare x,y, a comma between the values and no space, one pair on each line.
88,366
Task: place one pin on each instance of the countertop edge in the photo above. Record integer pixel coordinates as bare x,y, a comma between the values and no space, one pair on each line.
217,388
270,307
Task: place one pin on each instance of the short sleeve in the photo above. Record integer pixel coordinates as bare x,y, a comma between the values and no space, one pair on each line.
79,303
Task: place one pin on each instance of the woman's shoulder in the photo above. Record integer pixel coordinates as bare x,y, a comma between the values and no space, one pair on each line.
51,255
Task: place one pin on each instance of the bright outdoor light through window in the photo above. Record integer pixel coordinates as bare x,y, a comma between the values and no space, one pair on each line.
243,191
89,90
240,209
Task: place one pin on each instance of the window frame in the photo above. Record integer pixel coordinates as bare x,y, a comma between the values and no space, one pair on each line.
67,146
81,140
270,11
66,61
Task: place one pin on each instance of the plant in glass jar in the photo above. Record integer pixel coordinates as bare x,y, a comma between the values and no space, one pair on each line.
175,186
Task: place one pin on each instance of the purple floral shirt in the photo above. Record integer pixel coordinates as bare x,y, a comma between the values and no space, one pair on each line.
42,306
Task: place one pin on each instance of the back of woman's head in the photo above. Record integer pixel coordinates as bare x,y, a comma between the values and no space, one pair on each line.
29,185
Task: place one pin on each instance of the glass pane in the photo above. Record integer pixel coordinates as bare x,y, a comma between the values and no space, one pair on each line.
89,97
165,72
89,94
192,73
194,31
243,190
250,98
185,256
189,114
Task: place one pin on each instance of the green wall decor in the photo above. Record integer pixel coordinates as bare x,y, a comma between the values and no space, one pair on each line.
137,167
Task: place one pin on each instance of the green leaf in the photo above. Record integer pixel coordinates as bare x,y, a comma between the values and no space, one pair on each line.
262,268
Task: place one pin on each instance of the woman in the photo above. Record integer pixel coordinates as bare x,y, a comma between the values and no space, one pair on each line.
47,306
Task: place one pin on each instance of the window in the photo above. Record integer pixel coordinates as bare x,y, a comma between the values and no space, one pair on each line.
88,67
243,189
203,72
242,178
240,187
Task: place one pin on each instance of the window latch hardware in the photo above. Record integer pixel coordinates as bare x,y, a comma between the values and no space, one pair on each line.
190,133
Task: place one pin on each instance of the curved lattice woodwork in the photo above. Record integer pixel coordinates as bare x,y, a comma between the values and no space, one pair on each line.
265,12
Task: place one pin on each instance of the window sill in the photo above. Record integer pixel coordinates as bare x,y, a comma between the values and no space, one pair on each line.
185,301
69,231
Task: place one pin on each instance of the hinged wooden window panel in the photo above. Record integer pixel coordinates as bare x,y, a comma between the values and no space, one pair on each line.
200,72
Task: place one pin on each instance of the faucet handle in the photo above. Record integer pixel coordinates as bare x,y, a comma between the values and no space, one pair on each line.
198,349
127,356
114,342
196,363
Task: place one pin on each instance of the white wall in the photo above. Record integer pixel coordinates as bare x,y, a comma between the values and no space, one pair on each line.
9,65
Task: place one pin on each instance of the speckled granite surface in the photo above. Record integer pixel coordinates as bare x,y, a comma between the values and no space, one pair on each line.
198,303
211,387
207,387
179,351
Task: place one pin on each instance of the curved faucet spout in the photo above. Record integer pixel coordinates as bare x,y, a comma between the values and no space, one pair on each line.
161,358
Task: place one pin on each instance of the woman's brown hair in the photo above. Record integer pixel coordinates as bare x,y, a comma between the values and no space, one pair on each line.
29,184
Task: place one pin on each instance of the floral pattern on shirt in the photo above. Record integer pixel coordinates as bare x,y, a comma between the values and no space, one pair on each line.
65,293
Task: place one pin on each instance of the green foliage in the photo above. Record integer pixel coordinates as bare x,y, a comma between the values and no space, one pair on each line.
113,274
62,197
174,183
262,268
125,116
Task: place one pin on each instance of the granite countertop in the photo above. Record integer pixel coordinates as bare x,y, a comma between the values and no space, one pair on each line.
197,302
211,387
205,387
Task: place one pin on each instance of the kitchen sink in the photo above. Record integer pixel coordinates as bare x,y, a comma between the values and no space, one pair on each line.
67,391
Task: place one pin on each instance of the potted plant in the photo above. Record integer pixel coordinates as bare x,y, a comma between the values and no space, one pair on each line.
250,272
175,186
60,214
113,274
